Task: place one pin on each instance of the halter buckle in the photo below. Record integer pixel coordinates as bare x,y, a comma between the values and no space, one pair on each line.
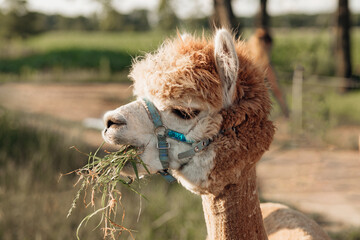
163,147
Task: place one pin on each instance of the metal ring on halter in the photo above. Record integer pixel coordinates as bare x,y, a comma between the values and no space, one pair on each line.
158,130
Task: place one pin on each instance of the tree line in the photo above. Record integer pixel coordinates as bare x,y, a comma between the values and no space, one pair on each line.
32,23
341,20
17,21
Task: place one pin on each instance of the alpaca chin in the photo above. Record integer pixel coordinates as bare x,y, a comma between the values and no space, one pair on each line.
190,186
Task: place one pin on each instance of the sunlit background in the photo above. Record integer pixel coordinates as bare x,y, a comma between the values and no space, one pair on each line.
63,63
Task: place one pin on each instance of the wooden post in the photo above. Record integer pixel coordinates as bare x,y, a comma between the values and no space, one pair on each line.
296,114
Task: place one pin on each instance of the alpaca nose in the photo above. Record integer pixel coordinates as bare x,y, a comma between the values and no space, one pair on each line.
115,122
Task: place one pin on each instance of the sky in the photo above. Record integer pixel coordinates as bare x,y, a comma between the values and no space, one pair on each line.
189,8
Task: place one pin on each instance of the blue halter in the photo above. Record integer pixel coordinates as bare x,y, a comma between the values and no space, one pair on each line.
162,133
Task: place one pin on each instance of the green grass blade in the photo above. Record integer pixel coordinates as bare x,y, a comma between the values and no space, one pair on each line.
135,169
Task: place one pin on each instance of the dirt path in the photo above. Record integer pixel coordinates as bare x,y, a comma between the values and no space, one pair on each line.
323,182
315,181
69,102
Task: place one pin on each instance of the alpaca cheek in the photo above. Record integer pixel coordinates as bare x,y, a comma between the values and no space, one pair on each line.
195,175
207,127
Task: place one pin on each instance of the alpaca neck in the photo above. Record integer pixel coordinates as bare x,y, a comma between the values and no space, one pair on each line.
235,213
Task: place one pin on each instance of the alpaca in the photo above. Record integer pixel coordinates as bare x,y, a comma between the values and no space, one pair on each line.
260,45
201,114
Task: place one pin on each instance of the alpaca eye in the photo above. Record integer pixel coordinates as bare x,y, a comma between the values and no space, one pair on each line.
185,114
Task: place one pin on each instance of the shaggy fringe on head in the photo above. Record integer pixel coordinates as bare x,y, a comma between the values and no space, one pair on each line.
183,70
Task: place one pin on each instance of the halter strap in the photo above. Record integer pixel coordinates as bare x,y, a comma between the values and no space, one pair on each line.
163,146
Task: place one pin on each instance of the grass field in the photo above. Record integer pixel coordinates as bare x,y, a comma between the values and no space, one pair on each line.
35,205
311,48
112,52
76,50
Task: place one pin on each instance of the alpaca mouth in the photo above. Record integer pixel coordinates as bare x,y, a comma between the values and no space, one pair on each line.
132,156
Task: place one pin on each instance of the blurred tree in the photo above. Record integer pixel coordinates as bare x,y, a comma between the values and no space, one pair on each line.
167,17
17,21
356,20
342,46
139,20
263,20
193,24
223,16
110,19
17,6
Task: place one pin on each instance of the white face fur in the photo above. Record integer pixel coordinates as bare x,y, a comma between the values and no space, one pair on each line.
131,124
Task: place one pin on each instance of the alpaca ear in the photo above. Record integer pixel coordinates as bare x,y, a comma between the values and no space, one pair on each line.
227,64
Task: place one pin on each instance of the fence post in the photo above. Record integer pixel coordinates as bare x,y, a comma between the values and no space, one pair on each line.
296,114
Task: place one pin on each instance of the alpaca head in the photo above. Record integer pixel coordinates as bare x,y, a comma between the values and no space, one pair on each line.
200,88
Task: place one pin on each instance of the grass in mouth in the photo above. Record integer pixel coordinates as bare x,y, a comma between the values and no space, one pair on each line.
101,175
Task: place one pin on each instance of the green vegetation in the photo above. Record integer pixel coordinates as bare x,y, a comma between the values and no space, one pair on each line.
348,234
129,42
62,53
68,59
355,54
35,205
16,20
34,151
324,109
58,51
31,159
345,108
309,48
103,175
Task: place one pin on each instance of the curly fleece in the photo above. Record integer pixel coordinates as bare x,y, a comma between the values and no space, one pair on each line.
183,71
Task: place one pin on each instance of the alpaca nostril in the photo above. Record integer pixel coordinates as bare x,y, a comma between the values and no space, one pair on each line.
115,122
109,123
